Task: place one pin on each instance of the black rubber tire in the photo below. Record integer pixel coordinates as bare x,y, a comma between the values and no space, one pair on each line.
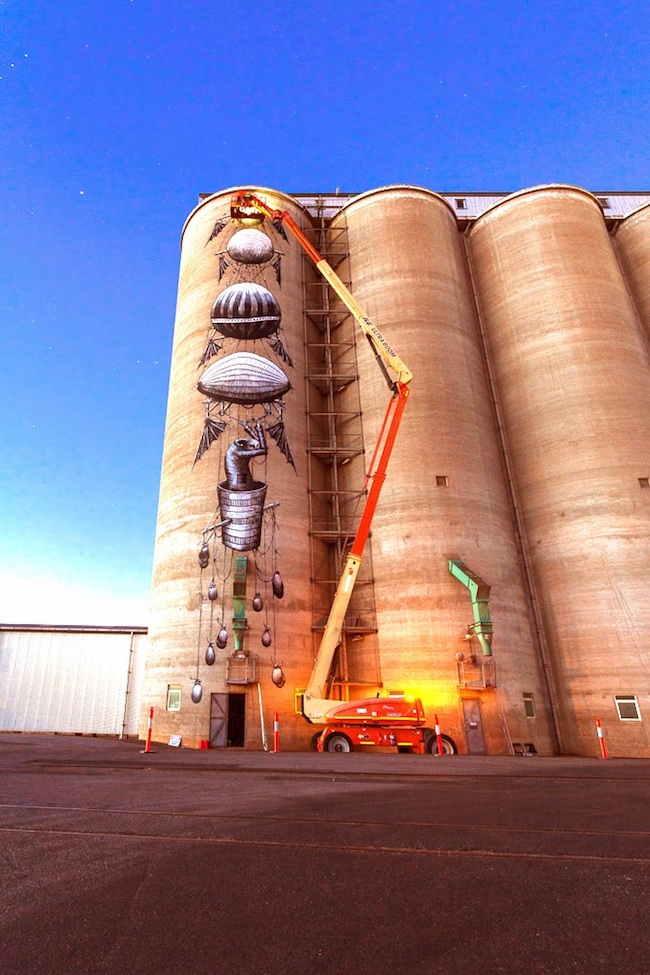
313,741
338,742
448,746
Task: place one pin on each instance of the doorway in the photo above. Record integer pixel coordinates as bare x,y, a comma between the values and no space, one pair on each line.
236,720
227,720
474,726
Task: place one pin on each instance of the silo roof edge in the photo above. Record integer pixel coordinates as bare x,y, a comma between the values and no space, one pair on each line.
534,189
398,186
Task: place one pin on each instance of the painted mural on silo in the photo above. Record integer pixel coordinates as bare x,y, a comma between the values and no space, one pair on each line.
244,394
230,612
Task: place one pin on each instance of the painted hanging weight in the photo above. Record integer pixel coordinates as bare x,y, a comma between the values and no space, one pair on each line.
278,585
204,555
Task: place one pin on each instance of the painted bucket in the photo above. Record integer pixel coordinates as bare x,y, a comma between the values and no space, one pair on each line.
245,510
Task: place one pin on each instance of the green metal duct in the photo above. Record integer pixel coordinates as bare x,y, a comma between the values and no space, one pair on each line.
239,623
479,593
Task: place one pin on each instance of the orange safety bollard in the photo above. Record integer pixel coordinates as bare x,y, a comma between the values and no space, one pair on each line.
276,733
441,750
147,747
601,739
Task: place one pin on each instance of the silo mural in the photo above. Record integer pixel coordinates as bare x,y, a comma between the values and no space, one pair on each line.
244,394
230,608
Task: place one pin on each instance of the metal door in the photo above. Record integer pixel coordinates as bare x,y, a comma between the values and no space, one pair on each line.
218,720
474,726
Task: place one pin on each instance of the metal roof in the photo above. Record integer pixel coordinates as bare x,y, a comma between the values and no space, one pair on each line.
62,628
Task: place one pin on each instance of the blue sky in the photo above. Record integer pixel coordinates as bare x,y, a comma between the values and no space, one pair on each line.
116,114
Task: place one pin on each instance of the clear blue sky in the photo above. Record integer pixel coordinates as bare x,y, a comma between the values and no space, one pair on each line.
116,114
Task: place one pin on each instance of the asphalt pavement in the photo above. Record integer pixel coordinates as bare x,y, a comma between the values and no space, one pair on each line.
178,861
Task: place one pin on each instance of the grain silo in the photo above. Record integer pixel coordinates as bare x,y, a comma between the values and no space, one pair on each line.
446,495
573,385
632,244
516,499
233,519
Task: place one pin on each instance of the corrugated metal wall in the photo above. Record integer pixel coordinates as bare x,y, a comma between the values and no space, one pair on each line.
71,681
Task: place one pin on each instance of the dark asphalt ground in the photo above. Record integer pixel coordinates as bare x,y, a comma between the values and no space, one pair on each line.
121,863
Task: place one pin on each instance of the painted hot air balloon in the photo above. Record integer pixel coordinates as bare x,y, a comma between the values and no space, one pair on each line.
245,378
250,246
246,311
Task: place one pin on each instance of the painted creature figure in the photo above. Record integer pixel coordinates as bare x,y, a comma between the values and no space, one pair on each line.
239,455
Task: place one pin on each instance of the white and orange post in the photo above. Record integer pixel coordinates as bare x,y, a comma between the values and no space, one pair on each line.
276,732
601,739
441,750
147,747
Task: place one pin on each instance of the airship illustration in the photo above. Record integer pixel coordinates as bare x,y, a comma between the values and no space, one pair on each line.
245,378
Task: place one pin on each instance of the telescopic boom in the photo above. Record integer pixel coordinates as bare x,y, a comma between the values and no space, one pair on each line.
315,706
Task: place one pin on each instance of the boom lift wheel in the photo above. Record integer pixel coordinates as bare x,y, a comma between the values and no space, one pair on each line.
448,746
338,743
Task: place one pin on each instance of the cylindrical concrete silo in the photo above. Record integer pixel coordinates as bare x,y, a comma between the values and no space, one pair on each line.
446,493
632,245
574,389
229,293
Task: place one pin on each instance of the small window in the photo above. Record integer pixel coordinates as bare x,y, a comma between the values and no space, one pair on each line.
529,705
604,202
442,480
461,203
644,481
173,697
627,707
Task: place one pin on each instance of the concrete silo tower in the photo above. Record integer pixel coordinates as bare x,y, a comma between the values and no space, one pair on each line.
632,244
573,384
232,530
446,495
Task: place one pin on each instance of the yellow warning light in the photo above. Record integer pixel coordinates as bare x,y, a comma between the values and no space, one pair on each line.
248,214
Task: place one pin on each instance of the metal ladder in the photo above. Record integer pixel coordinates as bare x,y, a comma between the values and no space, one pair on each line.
335,451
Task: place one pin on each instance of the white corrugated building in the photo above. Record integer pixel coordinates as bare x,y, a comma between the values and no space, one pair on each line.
71,679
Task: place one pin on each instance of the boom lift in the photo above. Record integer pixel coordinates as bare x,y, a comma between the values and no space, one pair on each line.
396,720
